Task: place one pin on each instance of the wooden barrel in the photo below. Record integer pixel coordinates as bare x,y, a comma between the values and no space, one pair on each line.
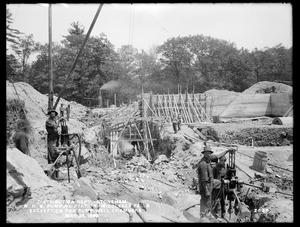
260,161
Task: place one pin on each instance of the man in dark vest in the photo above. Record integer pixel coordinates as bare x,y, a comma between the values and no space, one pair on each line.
52,137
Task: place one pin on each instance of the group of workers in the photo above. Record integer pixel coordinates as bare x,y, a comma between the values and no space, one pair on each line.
62,110
209,179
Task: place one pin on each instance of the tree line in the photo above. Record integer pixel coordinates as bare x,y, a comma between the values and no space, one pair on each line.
197,63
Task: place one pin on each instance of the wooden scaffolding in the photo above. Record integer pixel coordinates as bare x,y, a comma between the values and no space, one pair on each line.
169,105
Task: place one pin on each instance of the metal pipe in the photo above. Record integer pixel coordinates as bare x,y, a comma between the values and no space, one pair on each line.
77,57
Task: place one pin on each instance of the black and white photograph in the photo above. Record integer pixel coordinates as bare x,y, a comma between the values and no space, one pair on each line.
149,113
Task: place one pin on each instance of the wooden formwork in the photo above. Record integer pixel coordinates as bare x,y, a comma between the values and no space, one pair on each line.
191,106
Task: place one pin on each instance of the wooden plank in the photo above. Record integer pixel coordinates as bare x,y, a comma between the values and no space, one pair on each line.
175,105
207,118
184,119
199,134
151,140
196,114
183,109
150,108
163,109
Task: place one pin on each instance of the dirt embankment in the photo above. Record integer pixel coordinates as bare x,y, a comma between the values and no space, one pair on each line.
258,134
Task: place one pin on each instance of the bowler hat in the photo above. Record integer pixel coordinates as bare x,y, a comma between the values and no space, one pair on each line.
207,148
52,110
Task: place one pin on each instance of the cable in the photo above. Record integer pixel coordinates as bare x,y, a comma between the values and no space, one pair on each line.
130,16
131,25
158,23
16,12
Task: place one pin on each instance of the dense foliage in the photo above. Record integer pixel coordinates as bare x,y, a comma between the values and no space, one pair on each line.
195,62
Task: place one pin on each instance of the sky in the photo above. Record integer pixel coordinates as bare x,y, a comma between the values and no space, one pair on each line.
248,25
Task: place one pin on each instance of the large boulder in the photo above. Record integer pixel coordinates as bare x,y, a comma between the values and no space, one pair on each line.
90,135
23,173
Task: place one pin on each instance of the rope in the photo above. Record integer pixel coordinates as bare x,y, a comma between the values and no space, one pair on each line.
34,101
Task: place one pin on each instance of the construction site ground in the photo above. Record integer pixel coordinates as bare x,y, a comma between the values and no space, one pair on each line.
138,190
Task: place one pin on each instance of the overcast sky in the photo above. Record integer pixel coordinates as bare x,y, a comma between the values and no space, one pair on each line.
253,25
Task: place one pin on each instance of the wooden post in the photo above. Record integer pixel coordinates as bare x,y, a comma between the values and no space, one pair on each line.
161,107
115,99
100,98
185,110
193,108
50,96
150,138
151,103
157,107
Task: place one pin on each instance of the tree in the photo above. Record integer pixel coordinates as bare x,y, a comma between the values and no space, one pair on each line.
197,60
24,49
40,67
272,63
12,35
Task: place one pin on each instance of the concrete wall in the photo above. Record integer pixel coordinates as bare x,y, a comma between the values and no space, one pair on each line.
216,105
280,103
242,105
248,105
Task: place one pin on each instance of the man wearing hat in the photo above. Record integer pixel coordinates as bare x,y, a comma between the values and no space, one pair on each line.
205,178
52,137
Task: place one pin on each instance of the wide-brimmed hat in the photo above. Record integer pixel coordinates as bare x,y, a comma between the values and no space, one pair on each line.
52,110
207,148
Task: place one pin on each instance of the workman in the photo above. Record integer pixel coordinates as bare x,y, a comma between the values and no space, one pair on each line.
179,120
62,110
175,122
68,110
205,178
219,172
53,135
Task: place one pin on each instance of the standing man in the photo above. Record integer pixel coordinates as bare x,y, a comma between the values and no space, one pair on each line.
62,110
68,110
220,169
205,178
219,172
179,120
174,122
52,137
